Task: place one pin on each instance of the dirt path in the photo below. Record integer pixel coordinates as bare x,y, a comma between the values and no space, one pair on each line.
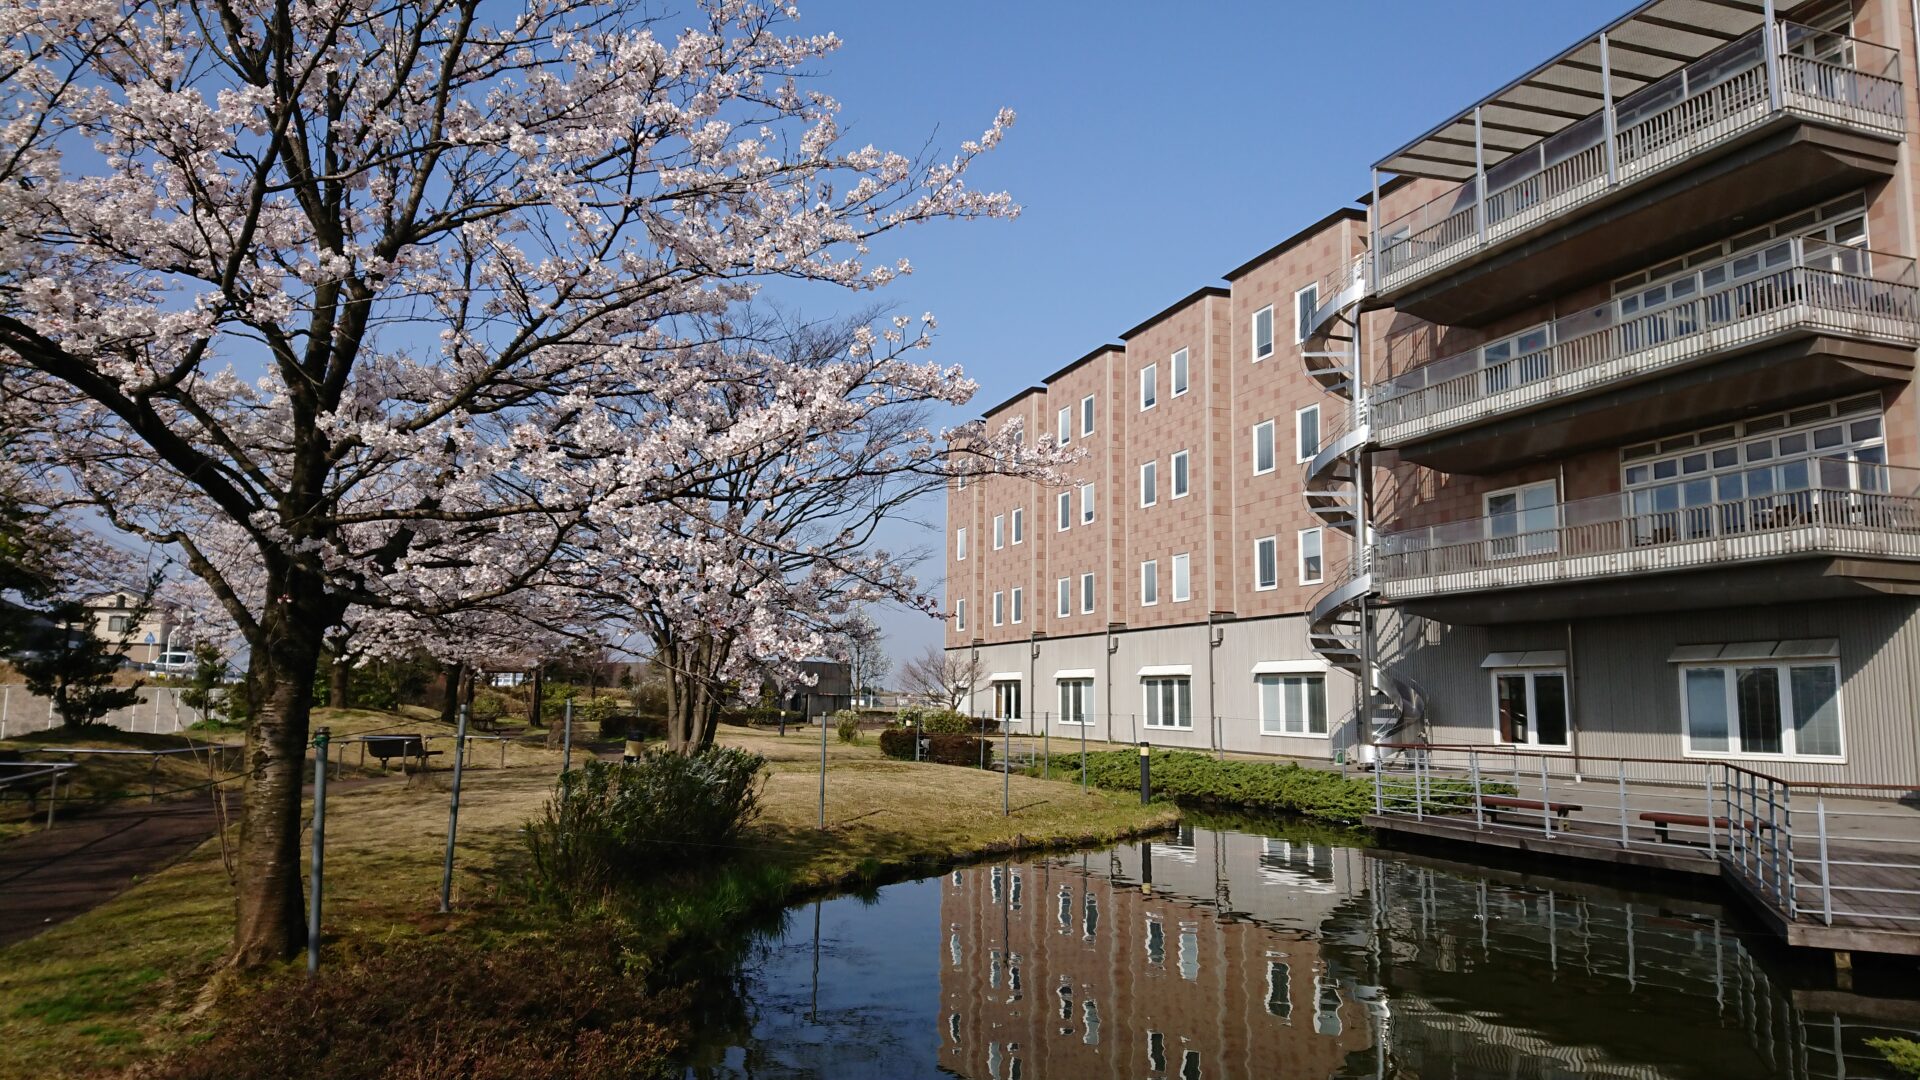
50,877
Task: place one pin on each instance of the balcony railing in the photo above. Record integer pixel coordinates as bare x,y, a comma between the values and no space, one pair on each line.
1822,75
1793,283
1810,506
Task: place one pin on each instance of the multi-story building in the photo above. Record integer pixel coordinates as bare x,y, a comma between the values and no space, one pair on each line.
145,639
1611,372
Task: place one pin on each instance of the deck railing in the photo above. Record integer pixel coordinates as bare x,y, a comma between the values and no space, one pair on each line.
1806,506
1822,75
1791,284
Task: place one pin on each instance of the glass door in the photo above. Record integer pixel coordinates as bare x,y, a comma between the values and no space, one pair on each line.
1523,521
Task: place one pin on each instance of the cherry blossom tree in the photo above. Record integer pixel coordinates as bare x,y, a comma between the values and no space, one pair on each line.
391,292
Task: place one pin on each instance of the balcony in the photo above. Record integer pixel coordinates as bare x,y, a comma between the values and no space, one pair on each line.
1763,327
1815,528
1733,136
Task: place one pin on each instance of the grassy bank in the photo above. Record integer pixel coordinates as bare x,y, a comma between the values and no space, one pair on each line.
121,983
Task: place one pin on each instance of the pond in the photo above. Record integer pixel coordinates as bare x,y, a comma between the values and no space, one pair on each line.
1283,952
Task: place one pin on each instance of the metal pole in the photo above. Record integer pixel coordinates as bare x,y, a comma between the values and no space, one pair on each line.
823,771
453,814
1083,748
566,751
1006,768
1046,746
1473,765
916,736
1607,112
1621,767
1379,796
1479,178
1146,774
317,862
1546,815
1711,846
53,798
1770,41
6,706
1826,869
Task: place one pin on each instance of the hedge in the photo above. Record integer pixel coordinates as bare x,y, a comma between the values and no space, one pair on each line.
941,749
1261,785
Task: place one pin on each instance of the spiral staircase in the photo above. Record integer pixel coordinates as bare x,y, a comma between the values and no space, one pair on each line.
1393,707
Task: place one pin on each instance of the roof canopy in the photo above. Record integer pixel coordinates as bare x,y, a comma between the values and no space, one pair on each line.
1643,46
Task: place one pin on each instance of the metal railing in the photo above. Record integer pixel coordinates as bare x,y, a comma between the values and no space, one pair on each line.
1822,75
1796,283
1835,854
1792,508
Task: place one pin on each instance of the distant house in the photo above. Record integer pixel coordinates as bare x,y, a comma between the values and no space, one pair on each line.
831,691
149,640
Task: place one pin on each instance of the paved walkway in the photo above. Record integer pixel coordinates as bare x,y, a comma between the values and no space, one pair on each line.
51,876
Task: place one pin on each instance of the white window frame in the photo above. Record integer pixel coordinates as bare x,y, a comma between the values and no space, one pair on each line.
1276,724
1273,543
960,615
1004,709
999,531
1086,593
1300,554
1079,687
1064,434
1086,416
1788,751
1066,512
1149,582
1300,453
1017,524
1019,599
1149,387
960,544
1299,329
1253,334
1273,459
1066,597
1149,483
1532,675
1180,465
999,608
1182,574
1538,547
1150,698
1177,373
1086,504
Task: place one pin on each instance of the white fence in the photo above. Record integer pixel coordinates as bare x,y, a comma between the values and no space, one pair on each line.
159,710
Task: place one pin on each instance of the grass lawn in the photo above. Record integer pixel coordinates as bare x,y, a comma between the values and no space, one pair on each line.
117,776
122,982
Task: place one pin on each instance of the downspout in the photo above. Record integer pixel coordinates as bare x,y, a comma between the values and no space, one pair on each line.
1112,645
1906,177
1213,708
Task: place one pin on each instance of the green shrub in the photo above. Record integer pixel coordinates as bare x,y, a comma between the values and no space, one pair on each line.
958,750
626,825
489,706
1262,785
846,723
944,721
897,743
1903,1054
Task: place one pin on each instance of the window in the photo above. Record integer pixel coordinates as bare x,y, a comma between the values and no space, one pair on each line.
1086,415
1086,504
1306,433
1304,303
1066,597
1149,378
1180,474
1279,990
1019,524
1076,700
960,544
960,614
1006,699
1064,429
1523,521
1167,701
1263,447
1182,585
1086,594
1066,511
119,624
999,608
1019,605
1530,707
1179,366
1783,709
1149,487
1292,704
1266,563
1149,582
999,531
1312,566
1263,333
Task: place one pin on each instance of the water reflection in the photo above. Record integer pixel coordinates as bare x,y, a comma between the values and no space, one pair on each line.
1217,953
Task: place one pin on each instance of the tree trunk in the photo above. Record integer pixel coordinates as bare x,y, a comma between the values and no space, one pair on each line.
270,924
339,684
533,702
450,700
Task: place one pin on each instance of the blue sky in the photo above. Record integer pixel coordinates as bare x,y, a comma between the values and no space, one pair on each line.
1158,146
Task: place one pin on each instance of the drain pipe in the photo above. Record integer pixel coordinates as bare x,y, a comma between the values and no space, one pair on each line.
1112,647
1214,638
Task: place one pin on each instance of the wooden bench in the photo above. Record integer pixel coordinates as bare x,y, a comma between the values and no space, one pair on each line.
404,747
1494,804
1663,821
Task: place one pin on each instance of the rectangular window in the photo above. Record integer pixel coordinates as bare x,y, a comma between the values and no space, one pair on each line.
1279,990
1530,708
1149,582
1263,447
1179,366
1086,594
1180,474
1773,709
1019,524
1149,483
1066,511
960,614
999,531
1312,565
1523,521
1086,504
1064,429
1306,433
1149,386
1019,605
1182,583
1304,302
1076,700
1006,700
999,608
1086,415
1167,701
1263,333
1292,704
1066,597
960,543
1266,563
